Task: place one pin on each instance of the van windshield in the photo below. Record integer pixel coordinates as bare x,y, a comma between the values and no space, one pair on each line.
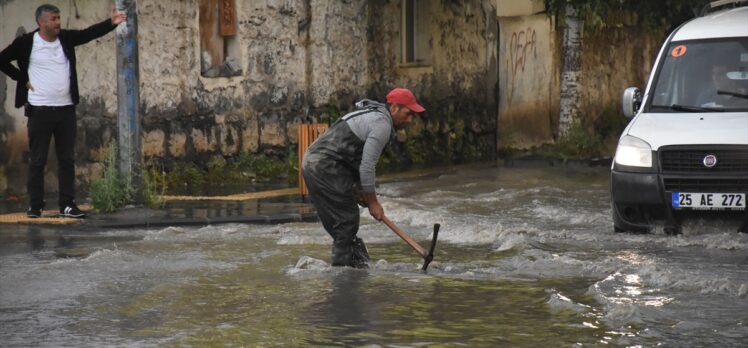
703,76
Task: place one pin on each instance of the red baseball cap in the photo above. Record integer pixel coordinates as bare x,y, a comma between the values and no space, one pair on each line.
404,96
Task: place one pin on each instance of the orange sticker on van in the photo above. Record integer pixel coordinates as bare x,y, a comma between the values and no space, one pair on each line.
678,51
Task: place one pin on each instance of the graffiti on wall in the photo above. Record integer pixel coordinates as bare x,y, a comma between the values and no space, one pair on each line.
522,46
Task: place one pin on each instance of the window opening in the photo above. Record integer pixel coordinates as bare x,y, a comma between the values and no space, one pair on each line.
219,47
415,38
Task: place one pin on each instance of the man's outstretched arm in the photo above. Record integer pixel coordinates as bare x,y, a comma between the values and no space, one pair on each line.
80,37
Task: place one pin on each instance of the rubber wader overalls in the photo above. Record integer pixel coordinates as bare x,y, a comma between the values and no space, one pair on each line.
330,169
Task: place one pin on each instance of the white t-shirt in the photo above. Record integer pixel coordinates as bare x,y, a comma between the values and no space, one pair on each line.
49,74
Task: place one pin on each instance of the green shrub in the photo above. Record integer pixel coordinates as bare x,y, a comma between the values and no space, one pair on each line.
181,175
652,16
111,192
292,165
580,143
155,185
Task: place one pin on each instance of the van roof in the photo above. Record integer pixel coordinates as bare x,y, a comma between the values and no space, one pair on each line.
726,23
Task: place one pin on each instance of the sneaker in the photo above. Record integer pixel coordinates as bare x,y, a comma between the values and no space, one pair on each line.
34,213
72,211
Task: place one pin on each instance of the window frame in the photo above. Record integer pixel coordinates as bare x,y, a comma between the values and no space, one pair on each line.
414,34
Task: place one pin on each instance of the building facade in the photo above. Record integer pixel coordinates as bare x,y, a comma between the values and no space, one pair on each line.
220,77
224,77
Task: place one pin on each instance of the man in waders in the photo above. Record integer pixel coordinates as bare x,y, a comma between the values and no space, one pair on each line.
339,170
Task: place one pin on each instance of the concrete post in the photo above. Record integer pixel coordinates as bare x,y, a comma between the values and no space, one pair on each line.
571,71
128,98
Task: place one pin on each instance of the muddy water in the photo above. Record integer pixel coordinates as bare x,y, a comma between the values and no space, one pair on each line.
527,257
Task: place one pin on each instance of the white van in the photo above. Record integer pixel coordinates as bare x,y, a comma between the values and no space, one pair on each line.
684,154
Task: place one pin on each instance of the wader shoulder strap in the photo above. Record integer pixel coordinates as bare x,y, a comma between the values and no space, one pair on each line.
356,114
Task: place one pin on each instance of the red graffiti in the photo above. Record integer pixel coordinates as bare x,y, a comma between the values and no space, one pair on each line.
521,46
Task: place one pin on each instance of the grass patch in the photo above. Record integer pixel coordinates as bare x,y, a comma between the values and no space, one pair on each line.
578,143
154,187
113,191
585,140
220,171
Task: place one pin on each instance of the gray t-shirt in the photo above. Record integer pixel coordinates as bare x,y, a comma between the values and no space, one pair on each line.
375,130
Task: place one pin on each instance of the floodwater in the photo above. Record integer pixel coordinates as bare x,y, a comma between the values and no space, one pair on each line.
527,257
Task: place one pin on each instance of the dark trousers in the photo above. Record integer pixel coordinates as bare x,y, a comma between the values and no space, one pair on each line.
43,124
330,185
330,169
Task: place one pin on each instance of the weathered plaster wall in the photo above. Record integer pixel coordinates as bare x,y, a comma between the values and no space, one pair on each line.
613,60
458,88
192,117
511,8
338,52
528,75
295,62
300,60
530,60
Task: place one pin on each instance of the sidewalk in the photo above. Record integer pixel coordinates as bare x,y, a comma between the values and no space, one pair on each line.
265,207
268,207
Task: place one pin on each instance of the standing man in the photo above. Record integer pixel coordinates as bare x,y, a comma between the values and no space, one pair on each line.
47,86
339,170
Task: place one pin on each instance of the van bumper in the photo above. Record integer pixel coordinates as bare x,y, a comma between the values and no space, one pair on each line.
637,201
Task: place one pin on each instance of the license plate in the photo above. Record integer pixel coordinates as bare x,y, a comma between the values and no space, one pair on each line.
709,201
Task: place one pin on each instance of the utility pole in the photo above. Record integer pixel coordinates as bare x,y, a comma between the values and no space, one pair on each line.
128,98
571,71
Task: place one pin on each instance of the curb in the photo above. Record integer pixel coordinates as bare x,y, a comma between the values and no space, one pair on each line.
252,219
543,161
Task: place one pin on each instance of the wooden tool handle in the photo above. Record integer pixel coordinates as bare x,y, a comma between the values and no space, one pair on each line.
413,244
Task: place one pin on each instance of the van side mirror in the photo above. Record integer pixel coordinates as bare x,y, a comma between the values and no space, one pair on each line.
632,101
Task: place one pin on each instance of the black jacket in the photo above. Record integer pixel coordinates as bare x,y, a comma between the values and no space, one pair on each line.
20,51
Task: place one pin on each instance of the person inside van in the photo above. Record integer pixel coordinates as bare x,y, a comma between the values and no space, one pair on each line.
724,91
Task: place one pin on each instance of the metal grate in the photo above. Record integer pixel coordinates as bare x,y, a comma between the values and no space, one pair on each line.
692,160
706,185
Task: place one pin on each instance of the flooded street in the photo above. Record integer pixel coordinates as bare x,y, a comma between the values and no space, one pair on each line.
526,257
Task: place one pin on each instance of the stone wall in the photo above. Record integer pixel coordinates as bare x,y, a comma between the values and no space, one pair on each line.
300,60
613,60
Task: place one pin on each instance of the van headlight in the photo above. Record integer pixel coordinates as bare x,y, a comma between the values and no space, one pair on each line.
633,152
